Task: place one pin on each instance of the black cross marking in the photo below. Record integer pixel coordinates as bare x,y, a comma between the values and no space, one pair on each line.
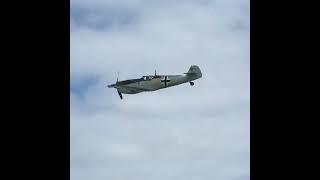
165,81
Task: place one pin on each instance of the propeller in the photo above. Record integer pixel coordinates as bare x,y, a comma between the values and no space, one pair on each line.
113,85
118,76
117,89
119,94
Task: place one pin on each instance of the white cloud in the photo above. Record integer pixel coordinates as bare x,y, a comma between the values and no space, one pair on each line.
183,132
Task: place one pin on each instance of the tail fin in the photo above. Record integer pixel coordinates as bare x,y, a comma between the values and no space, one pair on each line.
194,70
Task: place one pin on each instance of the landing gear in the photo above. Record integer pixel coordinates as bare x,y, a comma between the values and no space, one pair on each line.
191,83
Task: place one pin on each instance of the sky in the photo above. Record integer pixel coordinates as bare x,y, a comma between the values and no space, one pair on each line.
179,133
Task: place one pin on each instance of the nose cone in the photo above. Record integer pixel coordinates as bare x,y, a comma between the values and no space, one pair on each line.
111,85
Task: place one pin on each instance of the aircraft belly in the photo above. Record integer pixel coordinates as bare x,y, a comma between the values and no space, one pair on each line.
129,89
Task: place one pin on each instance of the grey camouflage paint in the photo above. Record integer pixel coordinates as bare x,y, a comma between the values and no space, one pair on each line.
156,82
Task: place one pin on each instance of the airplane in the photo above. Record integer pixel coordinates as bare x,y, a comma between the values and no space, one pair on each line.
156,82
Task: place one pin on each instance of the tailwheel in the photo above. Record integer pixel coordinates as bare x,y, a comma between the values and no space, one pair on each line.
191,83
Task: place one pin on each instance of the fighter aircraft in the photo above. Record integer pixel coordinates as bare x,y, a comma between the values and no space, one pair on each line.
155,82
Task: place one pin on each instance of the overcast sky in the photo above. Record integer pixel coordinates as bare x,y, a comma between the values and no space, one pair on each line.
179,133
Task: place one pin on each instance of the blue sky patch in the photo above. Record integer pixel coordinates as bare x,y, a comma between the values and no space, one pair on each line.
101,19
79,86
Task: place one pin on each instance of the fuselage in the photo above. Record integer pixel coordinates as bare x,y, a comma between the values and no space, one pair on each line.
156,82
152,83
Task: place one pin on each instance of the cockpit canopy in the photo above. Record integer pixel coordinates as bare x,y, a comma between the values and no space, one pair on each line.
147,78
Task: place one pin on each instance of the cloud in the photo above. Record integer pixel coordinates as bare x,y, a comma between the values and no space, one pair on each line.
183,132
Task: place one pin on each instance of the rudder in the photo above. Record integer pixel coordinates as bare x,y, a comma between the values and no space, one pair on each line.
194,70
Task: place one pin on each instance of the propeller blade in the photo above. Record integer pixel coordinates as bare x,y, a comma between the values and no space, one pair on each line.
118,76
119,94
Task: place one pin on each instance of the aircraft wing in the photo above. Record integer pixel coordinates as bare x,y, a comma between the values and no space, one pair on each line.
129,87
